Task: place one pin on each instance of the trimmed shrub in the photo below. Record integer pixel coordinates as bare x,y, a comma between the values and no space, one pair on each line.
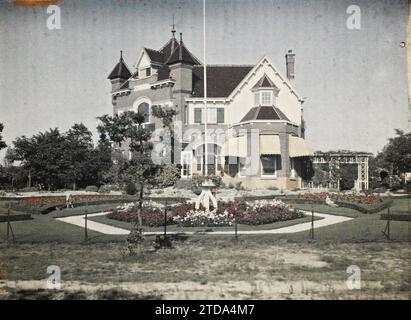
167,176
131,188
91,189
107,188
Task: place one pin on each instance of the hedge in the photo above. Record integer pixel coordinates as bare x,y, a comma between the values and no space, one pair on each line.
52,206
15,217
349,205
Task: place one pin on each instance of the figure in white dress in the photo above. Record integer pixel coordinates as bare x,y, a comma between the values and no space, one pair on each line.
69,202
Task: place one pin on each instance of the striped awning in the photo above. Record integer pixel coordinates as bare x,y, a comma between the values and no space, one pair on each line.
270,144
236,147
298,147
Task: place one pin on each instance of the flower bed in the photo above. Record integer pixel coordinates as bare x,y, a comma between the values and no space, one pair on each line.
185,215
254,213
268,211
152,216
39,201
360,202
201,218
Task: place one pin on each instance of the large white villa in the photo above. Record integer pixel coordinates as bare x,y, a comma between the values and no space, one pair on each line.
255,127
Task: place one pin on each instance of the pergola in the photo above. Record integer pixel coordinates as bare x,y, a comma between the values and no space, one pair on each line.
346,157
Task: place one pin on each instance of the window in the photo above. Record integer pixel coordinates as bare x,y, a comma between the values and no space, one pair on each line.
185,115
148,72
292,167
197,115
266,98
212,115
220,115
186,157
268,165
144,110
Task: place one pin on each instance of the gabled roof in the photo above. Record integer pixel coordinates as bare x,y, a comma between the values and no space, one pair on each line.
264,113
120,71
154,55
264,60
221,80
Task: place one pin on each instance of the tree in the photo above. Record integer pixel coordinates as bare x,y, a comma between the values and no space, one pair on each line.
56,160
101,162
77,156
2,143
396,155
140,169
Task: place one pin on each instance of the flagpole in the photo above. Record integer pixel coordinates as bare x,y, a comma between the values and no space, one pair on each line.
205,89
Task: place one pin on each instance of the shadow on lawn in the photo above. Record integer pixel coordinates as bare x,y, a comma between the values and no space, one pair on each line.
44,294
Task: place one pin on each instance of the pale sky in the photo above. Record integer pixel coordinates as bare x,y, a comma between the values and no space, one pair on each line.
355,81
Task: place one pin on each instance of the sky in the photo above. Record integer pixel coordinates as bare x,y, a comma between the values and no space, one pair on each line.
354,81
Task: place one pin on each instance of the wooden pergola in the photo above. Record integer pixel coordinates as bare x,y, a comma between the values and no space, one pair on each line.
346,157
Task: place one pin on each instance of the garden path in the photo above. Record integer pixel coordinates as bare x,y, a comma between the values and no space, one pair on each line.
327,219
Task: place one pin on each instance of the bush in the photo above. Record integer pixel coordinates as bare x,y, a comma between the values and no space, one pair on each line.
91,189
167,176
131,188
107,188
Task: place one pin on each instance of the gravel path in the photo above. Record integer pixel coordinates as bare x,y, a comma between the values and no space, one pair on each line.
327,220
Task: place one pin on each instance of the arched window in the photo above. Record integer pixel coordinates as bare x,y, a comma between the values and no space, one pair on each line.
144,110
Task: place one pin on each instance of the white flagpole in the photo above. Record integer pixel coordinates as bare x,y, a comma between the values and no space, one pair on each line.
205,89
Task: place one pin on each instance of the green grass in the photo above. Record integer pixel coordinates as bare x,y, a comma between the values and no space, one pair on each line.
322,208
197,267
365,227
43,228
401,205
3,211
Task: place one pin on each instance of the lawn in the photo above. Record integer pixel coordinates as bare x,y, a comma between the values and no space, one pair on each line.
279,266
365,227
201,269
44,228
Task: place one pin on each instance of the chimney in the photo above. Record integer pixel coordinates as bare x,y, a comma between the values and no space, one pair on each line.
290,61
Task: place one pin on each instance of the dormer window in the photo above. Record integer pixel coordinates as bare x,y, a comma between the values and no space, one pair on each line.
265,92
266,98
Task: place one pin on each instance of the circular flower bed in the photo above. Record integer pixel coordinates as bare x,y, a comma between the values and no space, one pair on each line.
185,215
